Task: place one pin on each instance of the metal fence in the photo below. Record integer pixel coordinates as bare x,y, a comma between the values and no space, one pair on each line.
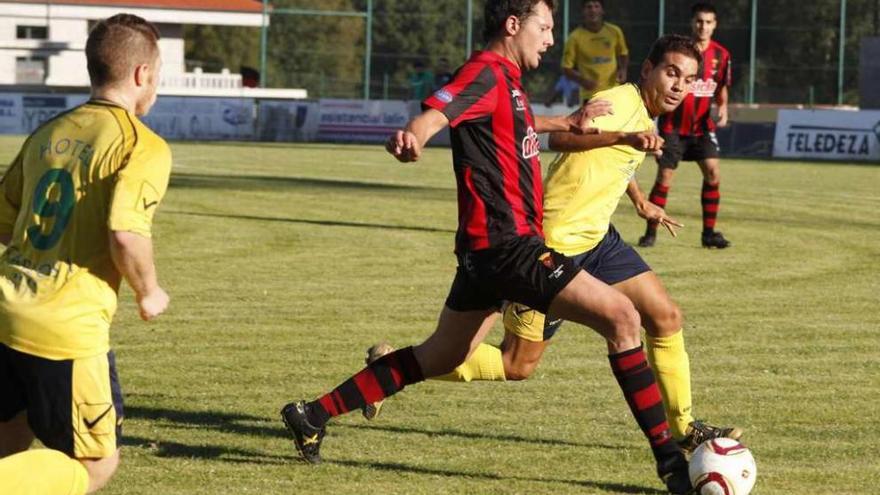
784,51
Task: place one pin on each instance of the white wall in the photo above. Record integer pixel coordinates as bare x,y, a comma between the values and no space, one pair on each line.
67,63
68,30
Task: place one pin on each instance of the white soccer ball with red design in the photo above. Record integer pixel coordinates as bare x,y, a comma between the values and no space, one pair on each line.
722,466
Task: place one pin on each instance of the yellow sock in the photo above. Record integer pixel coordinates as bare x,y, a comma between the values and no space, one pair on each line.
42,472
484,364
672,368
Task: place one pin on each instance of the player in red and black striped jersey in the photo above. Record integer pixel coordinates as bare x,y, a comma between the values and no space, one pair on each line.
499,244
689,131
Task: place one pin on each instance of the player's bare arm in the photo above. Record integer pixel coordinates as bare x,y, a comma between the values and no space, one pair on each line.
721,98
579,122
649,211
133,256
406,144
566,142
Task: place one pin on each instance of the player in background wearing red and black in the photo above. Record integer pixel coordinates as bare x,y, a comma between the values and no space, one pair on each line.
690,131
500,242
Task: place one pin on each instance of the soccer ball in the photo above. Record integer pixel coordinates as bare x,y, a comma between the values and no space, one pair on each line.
722,466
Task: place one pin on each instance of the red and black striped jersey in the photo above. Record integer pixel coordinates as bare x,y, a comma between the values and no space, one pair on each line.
494,152
692,117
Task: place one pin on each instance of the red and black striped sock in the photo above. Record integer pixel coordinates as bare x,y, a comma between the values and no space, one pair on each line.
658,197
382,378
640,389
710,199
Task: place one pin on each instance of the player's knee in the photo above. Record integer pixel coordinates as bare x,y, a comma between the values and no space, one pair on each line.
665,322
101,470
713,174
625,324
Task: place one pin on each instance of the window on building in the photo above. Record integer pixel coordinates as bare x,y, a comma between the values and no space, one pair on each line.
32,32
30,70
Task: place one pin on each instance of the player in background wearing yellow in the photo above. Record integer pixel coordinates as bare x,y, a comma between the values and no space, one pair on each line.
583,188
595,54
76,211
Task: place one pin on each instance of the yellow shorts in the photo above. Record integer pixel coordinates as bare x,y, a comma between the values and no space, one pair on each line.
527,323
73,405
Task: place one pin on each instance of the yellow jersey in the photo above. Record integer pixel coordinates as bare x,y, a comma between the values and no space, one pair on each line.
85,173
594,56
583,189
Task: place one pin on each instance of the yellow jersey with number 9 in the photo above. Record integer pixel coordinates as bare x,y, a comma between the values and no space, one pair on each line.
583,189
85,173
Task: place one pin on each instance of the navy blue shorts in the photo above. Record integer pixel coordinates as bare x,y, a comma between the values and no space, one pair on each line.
611,261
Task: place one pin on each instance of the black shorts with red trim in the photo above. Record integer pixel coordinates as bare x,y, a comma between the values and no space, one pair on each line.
687,148
523,270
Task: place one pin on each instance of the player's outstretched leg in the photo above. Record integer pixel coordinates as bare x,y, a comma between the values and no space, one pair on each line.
669,359
458,333
380,379
588,301
370,411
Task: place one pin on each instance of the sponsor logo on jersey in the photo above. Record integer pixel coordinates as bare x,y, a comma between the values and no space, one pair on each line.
518,100
443,95
531,147
703,88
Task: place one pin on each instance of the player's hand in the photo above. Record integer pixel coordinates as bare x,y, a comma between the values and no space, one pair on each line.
648,142
653,213
404,145
153,304
581,120
722,116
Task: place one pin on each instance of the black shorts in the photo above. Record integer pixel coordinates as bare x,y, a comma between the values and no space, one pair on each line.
73,405
523,270
687,148
611,261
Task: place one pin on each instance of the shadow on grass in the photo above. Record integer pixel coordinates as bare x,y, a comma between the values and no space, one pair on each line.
245,424
399,467
480,436
242,424
268,182
330,223
222,453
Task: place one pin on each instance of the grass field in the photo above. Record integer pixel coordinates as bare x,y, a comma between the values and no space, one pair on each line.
285,262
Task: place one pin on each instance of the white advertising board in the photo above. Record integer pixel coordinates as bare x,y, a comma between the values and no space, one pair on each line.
186,117
360,120
22,113
288,120
828,135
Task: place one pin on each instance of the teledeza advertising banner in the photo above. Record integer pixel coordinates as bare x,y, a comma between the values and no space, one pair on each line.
360,120
202,118
828,135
